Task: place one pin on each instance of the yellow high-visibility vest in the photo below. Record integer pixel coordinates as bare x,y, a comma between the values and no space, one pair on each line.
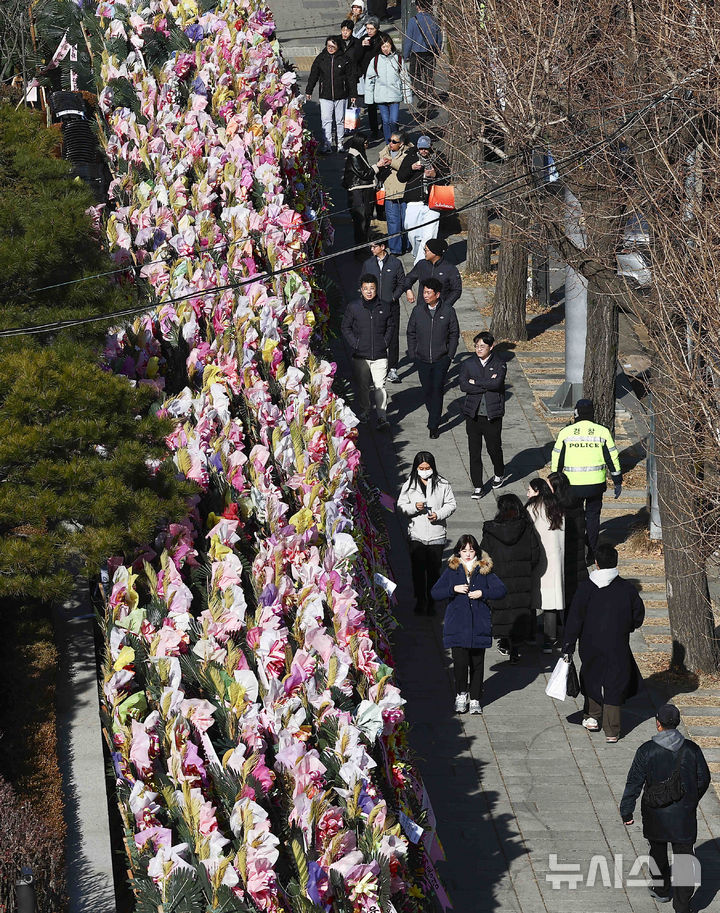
585,446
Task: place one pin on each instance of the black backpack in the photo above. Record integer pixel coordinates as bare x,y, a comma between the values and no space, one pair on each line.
664,793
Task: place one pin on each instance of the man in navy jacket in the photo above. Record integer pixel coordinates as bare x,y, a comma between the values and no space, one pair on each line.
367,328
422,45
435,265
654,762
433,333
482,379
390,274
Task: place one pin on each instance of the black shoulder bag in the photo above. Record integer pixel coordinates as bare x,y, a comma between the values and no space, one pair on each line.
572,687
664,793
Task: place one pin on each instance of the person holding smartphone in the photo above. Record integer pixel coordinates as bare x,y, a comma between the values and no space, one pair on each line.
428,500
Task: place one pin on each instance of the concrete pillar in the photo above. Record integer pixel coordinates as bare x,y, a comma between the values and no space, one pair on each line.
570,391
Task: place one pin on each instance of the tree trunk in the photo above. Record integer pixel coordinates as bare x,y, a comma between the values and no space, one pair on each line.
508,321
601,356
692,625
541,276
478,237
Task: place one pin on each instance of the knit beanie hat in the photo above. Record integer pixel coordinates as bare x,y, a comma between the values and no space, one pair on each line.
436,246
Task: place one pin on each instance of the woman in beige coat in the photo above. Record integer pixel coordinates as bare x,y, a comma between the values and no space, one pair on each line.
549,520
389,160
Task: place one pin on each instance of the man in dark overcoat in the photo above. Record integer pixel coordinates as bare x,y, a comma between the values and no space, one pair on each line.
666,756
603,613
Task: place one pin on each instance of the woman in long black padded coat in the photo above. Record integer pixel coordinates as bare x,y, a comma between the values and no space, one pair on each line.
514,546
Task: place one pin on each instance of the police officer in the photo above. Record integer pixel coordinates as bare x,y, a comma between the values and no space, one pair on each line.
582,451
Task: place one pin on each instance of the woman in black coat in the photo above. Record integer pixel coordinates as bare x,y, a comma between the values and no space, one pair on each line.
575,567
514,546
369,50
359,181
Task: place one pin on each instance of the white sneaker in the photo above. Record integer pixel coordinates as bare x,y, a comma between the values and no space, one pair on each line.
477,494
392,376
499,481
475,707
461,702
591,724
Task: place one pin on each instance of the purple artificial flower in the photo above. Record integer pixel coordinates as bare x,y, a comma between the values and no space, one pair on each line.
198,86
158,238
317,881
195,32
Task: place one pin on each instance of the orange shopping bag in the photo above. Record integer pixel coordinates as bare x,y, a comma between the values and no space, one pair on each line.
380,196
442,197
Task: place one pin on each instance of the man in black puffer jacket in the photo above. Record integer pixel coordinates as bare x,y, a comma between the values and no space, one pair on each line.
335,71
389,272
433,333
434,264
676,823
367,328
482,378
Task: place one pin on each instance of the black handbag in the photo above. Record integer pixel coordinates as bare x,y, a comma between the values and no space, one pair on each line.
664,793
572,687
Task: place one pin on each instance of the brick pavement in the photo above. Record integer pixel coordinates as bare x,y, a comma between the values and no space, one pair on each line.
524,780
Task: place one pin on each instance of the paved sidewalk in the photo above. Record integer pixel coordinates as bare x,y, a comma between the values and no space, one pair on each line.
524,781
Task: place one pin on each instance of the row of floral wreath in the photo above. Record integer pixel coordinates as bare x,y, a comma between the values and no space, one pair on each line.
258,738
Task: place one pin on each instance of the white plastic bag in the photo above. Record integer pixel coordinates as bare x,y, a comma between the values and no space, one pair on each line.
557,686
352,118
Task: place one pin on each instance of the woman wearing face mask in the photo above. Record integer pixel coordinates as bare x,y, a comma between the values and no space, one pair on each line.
468,582
428,500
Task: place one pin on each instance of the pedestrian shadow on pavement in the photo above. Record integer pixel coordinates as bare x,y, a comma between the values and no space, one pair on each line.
530,461
471,821
708,855
507,678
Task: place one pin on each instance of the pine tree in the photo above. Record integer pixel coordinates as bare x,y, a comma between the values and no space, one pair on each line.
75,440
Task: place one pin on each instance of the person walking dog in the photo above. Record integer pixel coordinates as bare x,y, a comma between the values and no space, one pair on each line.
468,582
605,610
428,500
673,776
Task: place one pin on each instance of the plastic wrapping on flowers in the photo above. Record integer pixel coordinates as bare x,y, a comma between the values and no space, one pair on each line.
257,735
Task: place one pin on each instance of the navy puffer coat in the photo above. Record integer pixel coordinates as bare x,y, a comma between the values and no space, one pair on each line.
467,621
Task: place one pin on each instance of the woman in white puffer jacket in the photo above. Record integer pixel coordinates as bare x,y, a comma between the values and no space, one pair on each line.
428,500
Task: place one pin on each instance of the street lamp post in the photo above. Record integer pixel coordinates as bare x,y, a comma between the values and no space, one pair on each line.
25,900
571,389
